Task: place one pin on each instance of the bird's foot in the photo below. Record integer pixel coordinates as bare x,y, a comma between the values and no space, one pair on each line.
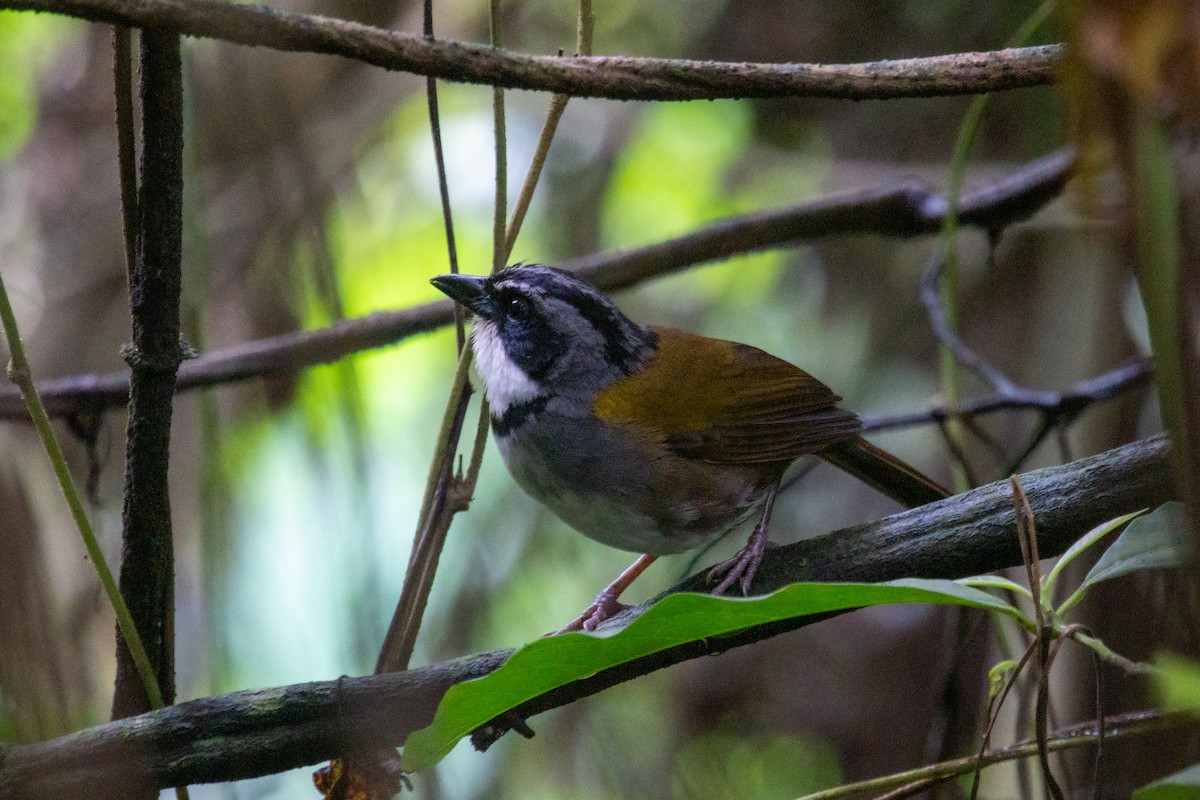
606,602
742,567
603,607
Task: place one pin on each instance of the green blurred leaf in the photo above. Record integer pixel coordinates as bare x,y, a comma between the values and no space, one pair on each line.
998,676
1183,785
760,766
1156,541
1178,682
27,43
1159,267
671,176
555,661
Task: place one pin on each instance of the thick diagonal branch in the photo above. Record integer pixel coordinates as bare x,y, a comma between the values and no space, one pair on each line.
246,734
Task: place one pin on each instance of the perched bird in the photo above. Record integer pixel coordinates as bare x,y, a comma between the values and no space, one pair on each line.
651,440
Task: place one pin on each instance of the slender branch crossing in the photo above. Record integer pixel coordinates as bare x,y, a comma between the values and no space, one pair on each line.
614,77
903,209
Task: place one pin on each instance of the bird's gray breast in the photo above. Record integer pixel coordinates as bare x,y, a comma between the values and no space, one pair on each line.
594,478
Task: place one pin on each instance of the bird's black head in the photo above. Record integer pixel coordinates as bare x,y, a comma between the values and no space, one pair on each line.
541,330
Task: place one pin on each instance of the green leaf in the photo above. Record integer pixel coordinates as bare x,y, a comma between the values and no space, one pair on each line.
1159,540
998,676
558,660
1178,682
1183,785
996,582
1083,543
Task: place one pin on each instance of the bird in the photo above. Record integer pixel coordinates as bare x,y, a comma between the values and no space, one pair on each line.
651,439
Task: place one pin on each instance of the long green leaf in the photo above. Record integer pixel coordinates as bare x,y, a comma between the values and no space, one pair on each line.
558,660
1083,543
1183,785
1159,540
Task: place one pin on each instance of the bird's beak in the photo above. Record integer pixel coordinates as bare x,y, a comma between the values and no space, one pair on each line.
468,290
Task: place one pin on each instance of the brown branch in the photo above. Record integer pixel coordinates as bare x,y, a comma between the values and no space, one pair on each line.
903,209
618,78
252,733
147,552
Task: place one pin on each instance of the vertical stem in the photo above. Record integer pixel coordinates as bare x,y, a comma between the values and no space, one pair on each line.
585,28
432,526
438,506
948,288
147,555
435,130
500,217
126,148
1161,261
558,104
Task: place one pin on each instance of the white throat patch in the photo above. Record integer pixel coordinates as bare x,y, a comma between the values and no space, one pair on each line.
506,384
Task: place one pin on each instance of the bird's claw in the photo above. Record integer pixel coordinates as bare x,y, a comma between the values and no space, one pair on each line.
742,568
601,609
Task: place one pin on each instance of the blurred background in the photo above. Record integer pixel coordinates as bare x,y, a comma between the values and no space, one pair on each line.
311,195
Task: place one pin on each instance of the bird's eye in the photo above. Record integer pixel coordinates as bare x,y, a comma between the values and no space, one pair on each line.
517,309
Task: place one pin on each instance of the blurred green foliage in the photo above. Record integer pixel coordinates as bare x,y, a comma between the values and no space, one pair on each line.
28,42
1179,682
748,764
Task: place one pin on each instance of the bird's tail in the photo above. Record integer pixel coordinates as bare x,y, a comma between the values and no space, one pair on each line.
884,472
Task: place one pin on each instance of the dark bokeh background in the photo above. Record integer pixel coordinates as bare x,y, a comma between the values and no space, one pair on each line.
311,195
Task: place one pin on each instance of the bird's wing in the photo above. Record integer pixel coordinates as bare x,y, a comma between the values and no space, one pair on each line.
727,403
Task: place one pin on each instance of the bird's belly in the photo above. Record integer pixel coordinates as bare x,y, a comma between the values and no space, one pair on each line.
611,494
617,525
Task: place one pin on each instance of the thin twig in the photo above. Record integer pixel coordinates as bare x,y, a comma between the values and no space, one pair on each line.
20,373
447,493
1027,536
943,328
922,779
1040,746
619,78
500,133
126,144
993,716
558,104
1057,408
1083,394
439,160
1098,761
398,643
432,524
948,284
1066,634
